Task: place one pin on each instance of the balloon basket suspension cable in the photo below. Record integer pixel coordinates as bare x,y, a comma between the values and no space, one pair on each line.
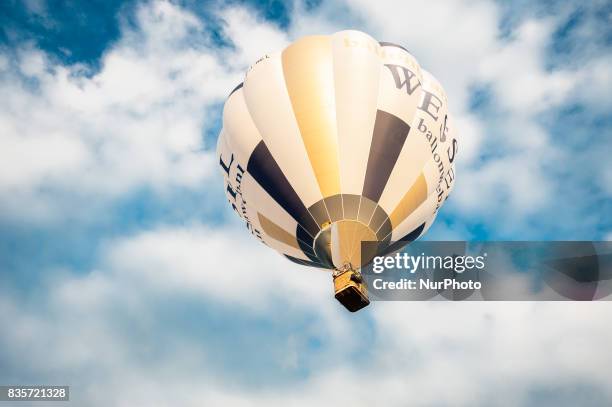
350,288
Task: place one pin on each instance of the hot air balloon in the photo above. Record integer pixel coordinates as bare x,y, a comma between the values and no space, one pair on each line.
334,141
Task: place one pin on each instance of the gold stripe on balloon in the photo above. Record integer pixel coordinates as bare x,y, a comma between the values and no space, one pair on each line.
347,236
276,232
411,200
309,76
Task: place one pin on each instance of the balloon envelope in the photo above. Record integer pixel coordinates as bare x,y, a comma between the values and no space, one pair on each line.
337,140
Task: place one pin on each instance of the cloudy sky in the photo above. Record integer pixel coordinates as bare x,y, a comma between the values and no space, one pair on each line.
124,273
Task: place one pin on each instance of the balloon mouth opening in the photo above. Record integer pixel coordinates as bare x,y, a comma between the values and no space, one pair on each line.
338,244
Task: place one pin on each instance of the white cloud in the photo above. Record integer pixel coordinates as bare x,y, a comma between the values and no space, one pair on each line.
517,72
419,352
213,263
252,38
593,81
138,121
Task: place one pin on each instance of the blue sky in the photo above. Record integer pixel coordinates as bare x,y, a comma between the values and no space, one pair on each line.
121,264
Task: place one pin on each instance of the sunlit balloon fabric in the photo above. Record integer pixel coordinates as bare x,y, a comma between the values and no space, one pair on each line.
337,140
